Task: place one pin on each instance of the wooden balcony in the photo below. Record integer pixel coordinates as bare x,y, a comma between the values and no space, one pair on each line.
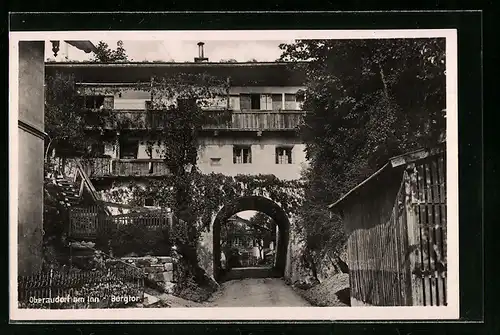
255,120
139,168
247,120
107,167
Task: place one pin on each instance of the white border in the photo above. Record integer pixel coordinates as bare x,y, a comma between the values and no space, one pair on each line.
449,312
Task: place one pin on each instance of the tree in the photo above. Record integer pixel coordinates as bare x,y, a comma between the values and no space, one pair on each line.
368,100
64,120
263,230
180,99
106,55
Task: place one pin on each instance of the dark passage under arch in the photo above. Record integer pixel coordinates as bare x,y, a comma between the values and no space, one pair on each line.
261,204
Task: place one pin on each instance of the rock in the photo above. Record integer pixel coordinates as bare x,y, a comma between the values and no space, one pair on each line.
168,276
149,299
168,266
167,287
157,277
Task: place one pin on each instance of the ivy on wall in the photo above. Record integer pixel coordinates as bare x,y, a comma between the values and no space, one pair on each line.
210,192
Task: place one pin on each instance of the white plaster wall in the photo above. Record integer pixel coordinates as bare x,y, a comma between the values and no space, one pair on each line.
263,161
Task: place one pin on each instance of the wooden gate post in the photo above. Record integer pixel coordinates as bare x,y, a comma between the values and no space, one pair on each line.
412,222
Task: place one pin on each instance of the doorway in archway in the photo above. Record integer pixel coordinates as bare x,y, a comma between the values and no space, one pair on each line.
227,224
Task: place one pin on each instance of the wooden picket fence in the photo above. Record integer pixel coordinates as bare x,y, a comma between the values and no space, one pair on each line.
71,289
90,222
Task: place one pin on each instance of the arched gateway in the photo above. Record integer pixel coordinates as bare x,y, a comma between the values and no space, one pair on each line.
257,203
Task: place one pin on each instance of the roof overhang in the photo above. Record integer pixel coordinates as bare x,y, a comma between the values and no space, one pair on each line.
393,163
85,46
249,73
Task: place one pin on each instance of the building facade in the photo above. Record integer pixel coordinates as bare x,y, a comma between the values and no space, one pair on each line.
260,138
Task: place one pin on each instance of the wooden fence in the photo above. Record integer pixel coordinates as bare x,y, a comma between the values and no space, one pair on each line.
80,289
376,261
91,222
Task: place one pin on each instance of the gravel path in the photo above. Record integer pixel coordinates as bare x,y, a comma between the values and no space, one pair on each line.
252,292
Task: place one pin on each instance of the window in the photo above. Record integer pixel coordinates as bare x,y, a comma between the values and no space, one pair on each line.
283,155
97,149
290,103
255,101
186,103
277,101
242,155
149,202
128,149
214,161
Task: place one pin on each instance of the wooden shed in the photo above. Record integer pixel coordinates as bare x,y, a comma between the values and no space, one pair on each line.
396,226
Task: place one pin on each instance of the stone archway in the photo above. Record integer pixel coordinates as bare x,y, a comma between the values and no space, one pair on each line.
261,204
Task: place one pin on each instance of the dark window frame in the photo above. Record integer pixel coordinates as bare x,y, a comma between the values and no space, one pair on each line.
282,152
242,155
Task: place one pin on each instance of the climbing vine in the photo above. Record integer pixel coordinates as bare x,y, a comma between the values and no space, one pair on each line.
210,192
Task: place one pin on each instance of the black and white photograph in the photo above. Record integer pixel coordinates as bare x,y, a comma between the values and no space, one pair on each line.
304,175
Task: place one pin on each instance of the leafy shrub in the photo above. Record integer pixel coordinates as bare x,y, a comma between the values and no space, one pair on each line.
139,239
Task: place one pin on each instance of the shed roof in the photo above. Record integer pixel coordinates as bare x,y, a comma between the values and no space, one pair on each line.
394,162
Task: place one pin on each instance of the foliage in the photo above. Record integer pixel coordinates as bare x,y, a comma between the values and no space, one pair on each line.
368,100
210,192
139,239
64,122
264,230
106,55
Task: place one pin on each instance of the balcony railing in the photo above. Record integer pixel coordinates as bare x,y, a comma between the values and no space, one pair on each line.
215,119
139,168
255,120
107,167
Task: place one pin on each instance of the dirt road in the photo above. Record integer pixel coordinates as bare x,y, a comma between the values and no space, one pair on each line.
252,292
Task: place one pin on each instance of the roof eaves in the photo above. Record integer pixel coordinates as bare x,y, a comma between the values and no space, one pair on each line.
360,185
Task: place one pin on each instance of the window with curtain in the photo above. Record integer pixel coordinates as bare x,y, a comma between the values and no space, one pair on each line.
242,155
283,155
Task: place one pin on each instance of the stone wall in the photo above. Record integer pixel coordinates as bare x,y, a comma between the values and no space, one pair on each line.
159,270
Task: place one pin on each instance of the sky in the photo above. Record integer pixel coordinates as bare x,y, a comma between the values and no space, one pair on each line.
180,50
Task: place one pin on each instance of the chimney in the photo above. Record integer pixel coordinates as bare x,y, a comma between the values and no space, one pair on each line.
201,56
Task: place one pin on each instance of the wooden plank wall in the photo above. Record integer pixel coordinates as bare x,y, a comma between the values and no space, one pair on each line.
376,251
